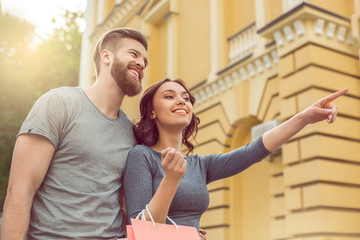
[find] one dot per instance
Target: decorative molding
(251, 69)
(267, 61)
(333, 31)
(215, 88)
(236, 77)
(228, 81)
(288, 33)
(209, 92)
(247, 71)
(330, 30)
(222, 85)
(299, 27)
(278, 38)
(321, 28)
(296, 28)
(259, 65)
(117, 18)
(243, 74)
(340, 36)
(275, 57)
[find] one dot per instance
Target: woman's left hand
(202, 234)
(318, 111)
(323, 108)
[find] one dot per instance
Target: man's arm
(30, 162)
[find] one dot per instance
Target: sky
(41, 12)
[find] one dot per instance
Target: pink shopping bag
(146, 230)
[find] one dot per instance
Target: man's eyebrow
(138, 53)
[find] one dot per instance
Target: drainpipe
(355, 25)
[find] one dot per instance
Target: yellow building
(252, 64)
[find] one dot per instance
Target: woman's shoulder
(142, 155)
(143, 150)
(138, 149)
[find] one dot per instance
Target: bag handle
(142, 215)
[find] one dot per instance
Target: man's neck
(106, 97)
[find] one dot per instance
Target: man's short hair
(110, 41)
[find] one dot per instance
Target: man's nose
(140, 63)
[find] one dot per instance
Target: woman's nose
(181, 101)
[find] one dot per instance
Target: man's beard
(128, 84)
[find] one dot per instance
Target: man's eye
(133, 54)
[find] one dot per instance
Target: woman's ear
(153, 115)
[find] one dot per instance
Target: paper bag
(146, 230)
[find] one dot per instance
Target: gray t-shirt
(143, 174)
(79, 197)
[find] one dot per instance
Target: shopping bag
(149, 230)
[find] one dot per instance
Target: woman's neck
(168, 139)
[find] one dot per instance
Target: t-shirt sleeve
(225, 165)
(137, 181)
(46, 117)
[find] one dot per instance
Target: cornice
(308, 23)
(297, 9)
(245, 69)
(118, 17)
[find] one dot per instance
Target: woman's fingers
(167, 156)
(331, 117)
(328, 99)
(173, 163)
(202, 231)
(202, 237)
(324, 109)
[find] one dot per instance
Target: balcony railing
(242, 43)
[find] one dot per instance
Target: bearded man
(70, 152)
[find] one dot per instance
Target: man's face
(128, 65)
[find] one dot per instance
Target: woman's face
(172, 106)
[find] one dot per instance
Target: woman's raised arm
(321, 110)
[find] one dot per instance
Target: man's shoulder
(65, 91)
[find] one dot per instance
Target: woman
(172, 183)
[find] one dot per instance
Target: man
(71, 150)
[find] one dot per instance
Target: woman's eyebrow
(173, 91)
(167, 90)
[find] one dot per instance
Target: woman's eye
(186, 99)
(169, 97)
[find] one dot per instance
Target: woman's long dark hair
(145, 129)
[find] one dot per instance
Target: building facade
(251, 65)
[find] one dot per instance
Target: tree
(14, 50)
(57, 60)
(27, 71)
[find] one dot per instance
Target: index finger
(335, 95)
(165, 152)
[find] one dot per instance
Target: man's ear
(106, 56)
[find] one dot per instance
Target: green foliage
(27, 71)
